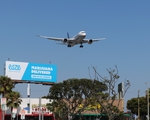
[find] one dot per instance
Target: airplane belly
(79, 40)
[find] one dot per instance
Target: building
(32, 112)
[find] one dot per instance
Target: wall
(34, 106)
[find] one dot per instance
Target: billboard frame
(44, 81)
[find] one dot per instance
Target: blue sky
(125, 24)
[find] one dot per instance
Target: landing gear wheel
(69, 45)
(81, 46)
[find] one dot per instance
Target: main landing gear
(69, 45)
(81, 46)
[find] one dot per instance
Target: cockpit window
(82, 31)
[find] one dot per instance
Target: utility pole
(147, 101)
(138, 106)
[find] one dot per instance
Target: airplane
(77, 39)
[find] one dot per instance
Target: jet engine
(90, 41)
(65, 40)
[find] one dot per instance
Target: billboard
(32, 72)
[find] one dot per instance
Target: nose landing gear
(69, 45)
(81, 46)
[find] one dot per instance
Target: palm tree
(13, 99)
(6, 85)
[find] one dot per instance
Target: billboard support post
(28, 95)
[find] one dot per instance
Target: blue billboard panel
(31, 71)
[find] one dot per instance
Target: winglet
(102, 38)
(41, 36)
(38, 35)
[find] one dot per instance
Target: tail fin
(68, 35)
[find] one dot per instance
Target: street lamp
(147, 100)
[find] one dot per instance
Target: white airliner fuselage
(77, 39)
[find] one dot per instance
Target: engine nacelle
(90, 41)
(65, 40)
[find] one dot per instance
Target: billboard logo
(14, 67)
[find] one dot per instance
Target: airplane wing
(68, 40)
(92, 40)
(51, 38)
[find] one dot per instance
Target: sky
(124, 24)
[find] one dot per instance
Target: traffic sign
(13, 115)
(3, 100)
(22, 117)
(22, 112)
(3, 107)
(14, 110)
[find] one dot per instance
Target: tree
(13, 99)
(107, 101)
(6, 85)
(132, 105)
(70, 94)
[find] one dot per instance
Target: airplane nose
(83, 34)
